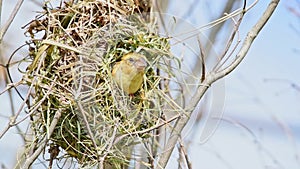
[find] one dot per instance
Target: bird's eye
(131, 60)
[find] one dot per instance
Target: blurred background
(260, 127)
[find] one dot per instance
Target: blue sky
(260, 97)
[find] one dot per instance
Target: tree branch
(10, 19)
(44, 142)
(252, 34)
(211, 78)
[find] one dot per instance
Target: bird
(129, 72)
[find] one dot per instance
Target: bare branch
(1, 2)
(44, 142)
(16, 115)
(10, 19)
(184, 153)
(211, 78)
(13, 119)
(249, 39)
(213, 34)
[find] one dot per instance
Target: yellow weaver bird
(129, 72)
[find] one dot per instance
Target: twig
(211, 78)
(108, 147)
(184, 154)
(51, 42)
(44, 142)
(147, 130)
(14, 118)
(216, 22)
(10, 86)
(83, 112)
(37, 106)
(86, 123)
(10, 19)
(8, 65)
(252, 34)
(222, 59)
(213, 33)
(202, 61)
(237, 24)
(1, 2)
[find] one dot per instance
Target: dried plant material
(81, 42)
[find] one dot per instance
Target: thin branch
(235, 32)
(39, 103)
(202, 61)
(86, 123)
(44, 142)
(181, 122)
(83, 113)
(213, 34)
(163, 123)
(230, 41)
(108, 147)
(214, 23)
(7, 66)
(6, 78)
(1, 2)
(211, 78)
(184, 153)
(14, 118)
(10, 86)
(10, 19)
(252, 34)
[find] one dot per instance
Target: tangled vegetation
(70, 70)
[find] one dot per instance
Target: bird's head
(136, 60)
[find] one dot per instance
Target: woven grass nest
(71, 68)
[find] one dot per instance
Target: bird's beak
(141, 64)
